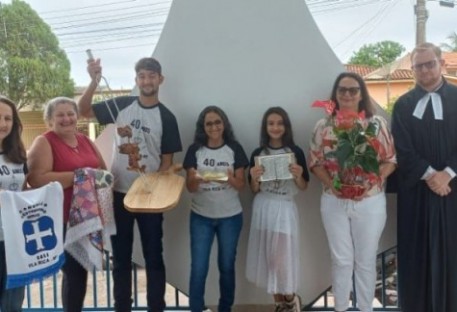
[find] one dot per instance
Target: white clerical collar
(436, 104)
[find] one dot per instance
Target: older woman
(353, 221)
(54, 156)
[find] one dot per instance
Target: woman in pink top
(54, 156)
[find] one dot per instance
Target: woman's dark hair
(201, 137)
(365, 103)
(287, 138)
(12, 145)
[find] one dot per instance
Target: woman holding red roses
(352, 153)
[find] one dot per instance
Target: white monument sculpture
(246, 56)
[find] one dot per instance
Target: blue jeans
(202, 232)
(150, 226)
(10, 299)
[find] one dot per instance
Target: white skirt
(273, 248)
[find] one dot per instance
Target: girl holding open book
(273, 248)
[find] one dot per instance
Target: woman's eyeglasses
(352, 90)
(216, 123)
(429, 65)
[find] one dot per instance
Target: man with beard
(424, 128)
(148, 129)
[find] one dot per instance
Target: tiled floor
(251, 308)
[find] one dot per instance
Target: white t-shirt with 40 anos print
(12, 178)
(216, 199)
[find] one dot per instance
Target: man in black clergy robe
(424, 127)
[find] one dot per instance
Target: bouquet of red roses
(354, 158)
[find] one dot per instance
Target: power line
(115, 48)
(101, 40)
(110, 19)
(67, 20)
(326, 7)
(104, 25)
(366, 28)
(120, 11)
(86, 7)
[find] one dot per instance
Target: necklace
(71, 142)
(74, 148)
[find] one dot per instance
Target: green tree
(377, 54)
(452, 45)
(390, 106)
(33, 68)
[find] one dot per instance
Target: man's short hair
(426, 46)
(148, 63)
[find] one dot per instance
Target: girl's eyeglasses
(216, 123)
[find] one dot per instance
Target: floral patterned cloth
(91, 218)
(322, 148)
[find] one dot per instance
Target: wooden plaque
(155, 192)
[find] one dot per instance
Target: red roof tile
(362, 70)
(399, 69)
(450, 59)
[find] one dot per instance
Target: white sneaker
(294, 305)
(297, 300)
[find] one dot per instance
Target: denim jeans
(150, 226)
(10, 299)
(202, 232)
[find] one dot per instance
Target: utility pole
(421, 19)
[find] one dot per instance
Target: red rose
(328, 105)
(351, 191)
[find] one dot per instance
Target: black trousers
(74, 283)
(150, 227)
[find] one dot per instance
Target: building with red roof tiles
(387, 83)
(362, 70)
(450, 59)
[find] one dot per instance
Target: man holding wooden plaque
(146, 139)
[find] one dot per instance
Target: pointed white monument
(246, 56)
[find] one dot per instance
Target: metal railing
(45, 295)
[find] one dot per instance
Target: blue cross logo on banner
(39, 235)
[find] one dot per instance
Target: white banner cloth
(33, 227)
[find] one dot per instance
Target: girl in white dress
(273, 249)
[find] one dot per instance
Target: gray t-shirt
(216, 199)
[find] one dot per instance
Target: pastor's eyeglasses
(429, 65)
(352, 90)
